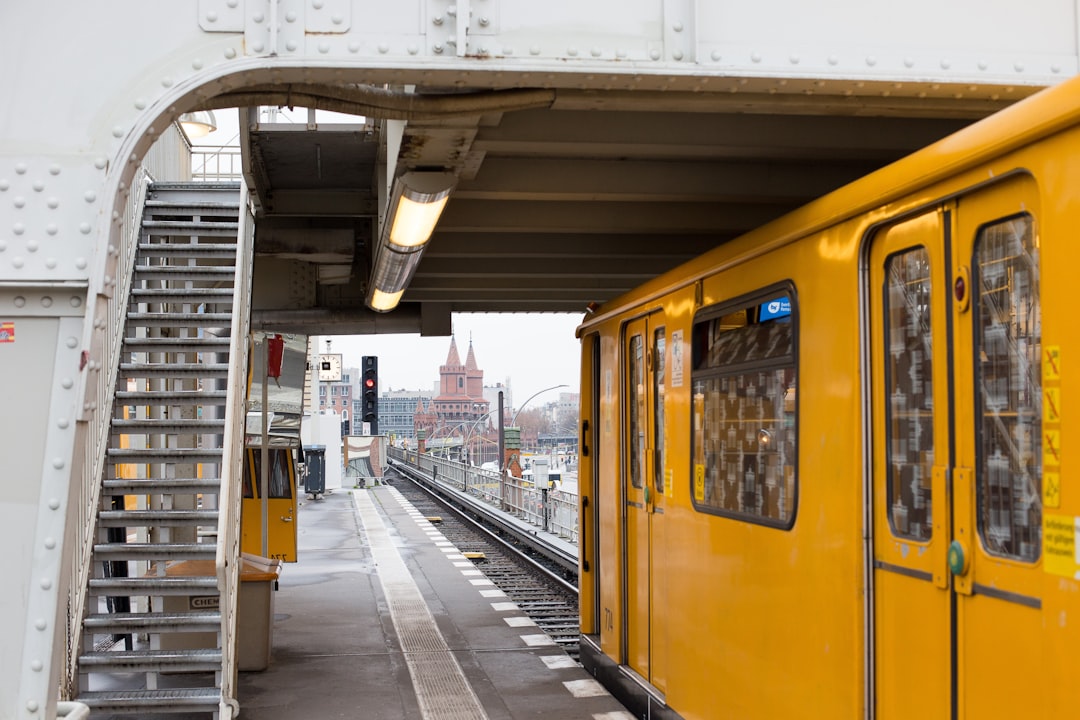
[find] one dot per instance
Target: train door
(639, 490)
(281, 505)
(958, 448)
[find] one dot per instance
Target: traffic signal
(369, 391)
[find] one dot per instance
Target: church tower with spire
(461, 389)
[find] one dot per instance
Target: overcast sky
(529, 351)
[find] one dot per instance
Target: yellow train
(825, 468)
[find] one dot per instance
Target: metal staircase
(152, 634)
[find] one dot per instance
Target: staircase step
(157, 427)
(182, 296)
(206, 343)
(193, 320)
(198, 621)
(154, 586)
(165, 518)
(217, 228)
(173, 369)
(200, 251)
(154, 551)
(185, 189)
(165, 455)
(171, 397)
(194, 660)
(183, 273)
(151, 702)
(156, 486)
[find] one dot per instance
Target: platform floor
(383, 619)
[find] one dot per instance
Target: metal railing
(106, 330)
(553, 511)
(227, 558)
(215, 164)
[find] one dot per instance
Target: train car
(825, 468)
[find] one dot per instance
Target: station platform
(383, 619)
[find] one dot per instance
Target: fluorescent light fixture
(198, 124)
(417, 201)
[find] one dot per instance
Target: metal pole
(264, 479)
(502, 455)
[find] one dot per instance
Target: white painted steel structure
(87, 88)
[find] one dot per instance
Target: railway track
(537, 585)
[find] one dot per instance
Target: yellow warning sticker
(1051, 404)
(1059, 545)
(1051, 363)
(699, 483)
(1051, 448)
(669, 482)
(1051, 490)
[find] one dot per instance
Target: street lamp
(468, 435)
(553, 387)
(445, 428)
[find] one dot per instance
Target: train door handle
(286, 519)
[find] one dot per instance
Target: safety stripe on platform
(442, 690)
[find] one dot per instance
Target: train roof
(1045, 113)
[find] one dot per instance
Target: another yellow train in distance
(825, 468)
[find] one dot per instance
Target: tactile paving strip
(442, 690)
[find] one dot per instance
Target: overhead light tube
(417, 201)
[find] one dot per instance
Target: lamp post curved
(553, 387)
(502, 461)
(445, 434)
(468, 435)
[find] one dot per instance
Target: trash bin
(254, 609)
(315, 463)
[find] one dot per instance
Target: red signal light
(369, 383)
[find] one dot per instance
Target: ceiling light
(415, 205)
(197, 124)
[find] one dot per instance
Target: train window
(278, 480)
(1008, 382)
(909, 383)
(637, 410)
(249, 490)
(659, 346)
(744, 409)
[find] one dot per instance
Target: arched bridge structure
(591, 147)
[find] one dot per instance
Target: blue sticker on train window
(778, 308)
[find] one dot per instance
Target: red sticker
(7, 332)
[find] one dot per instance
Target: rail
(553, 511)
(92, 430)
(216, 164)
(227, 559)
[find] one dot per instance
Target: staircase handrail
(107, 316)
(227, 558)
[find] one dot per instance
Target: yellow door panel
(959, 627)
(280, 506)
(912, 621)
(1000, 438)
(636, 493)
